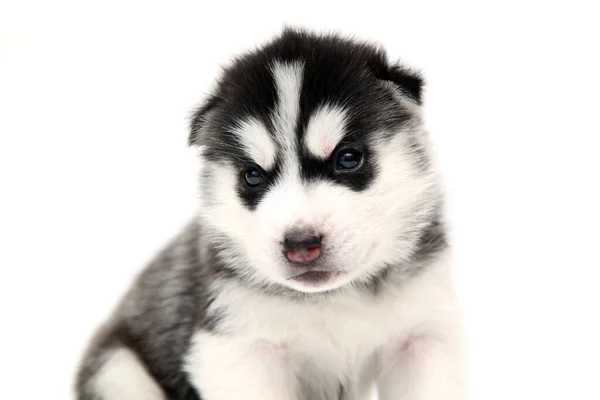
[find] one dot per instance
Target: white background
(95, 172)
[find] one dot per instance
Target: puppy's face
(314, 166)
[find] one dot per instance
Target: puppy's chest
(340, 333)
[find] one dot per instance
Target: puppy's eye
(349, 160)
(253, 177)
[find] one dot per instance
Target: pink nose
(302, 247)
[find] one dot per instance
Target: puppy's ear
(408, 81)
(200, 119)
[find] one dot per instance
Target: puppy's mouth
(316, 277)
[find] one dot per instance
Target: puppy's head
(315, 171)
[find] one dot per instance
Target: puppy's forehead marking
(326, 128)
(257, 142)
(288, 83)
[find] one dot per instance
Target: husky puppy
(318, 267)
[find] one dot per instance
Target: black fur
(169, 300)
(157, 318)
(337, 71)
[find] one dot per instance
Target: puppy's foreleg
(226, 368)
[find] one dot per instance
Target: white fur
(288, 82)
(405, 339)
(271, 342)
(391, 205)
(122, 376)
(257, 142)
(325, 130)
